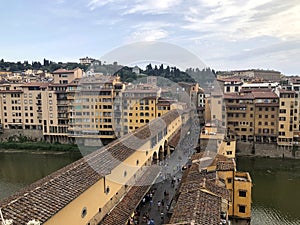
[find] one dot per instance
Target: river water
(21, 168)
(276, 189)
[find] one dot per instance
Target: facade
(288, 121)
(215, 108)
(230, 85)
(91, 109)
(86, 60)
(63, 76)
(253, 115)
(84, 110)
(268, 75)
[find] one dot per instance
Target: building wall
(240, 118)
(243, 185)
(227, 148)
(288, 118)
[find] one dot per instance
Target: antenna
(5, 222)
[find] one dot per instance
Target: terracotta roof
(198, 206)
(287, 91)
(64, 71)
(201, 194)
(195, 180)
(124, 209)
(238, 96)
(264, 94)
(49, 195)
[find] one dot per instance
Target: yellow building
(219, 156)
(288, 128)
(252, 115)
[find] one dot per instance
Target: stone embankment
(266, 150)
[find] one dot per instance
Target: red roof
(64, 71)
(264, 95)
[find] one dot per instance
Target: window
(83, 212)
(282, 103)
(229, 180)
(242, 208)
(242, 193)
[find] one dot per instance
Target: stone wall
(33, 134)
(266, 150)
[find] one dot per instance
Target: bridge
(105, 186)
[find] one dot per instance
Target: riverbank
(38, 146)
(265, 151)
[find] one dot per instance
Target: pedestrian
(152, 222)
(158, 205)
(151, 202)
(162, 216)
(144, 201)
(162, 203)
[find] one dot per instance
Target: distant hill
(171, 73)
(47, 65)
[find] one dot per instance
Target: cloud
(93, 4)
(147, 35)
(244, 20)
(152, 6)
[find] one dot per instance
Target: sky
(223, 34)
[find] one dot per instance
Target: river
(21, 168)
(276, 189)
